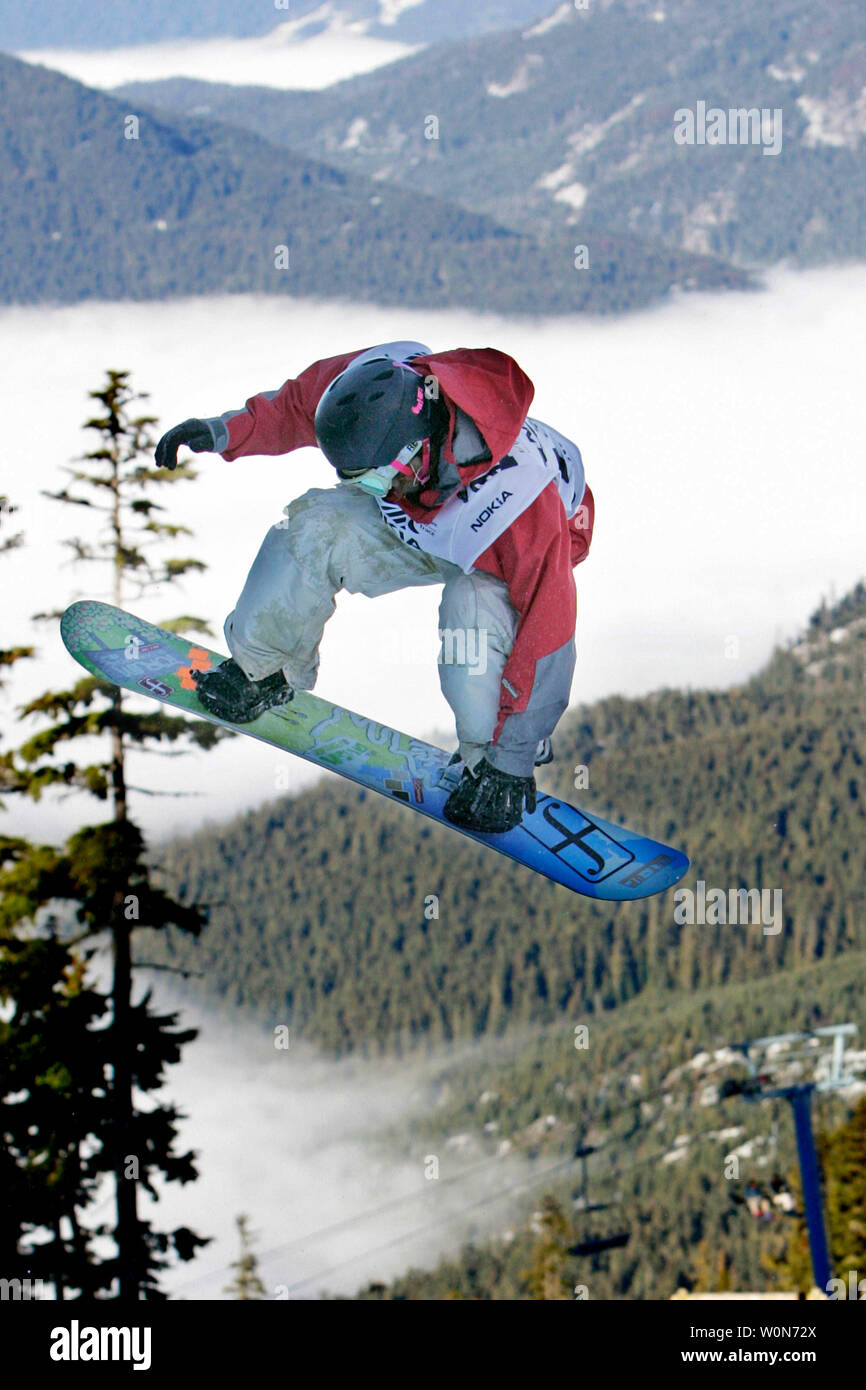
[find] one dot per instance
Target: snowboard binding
(228, 694)
(489, 801)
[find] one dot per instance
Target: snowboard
(578, 849)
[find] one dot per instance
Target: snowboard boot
(227, 693)
(489, 801)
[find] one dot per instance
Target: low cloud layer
(320, 1156)
(720, 437)
(284, 59)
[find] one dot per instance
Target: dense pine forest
(368, 930)
(571, 121)
(321, 918)
(98, 208)
(674, 1158)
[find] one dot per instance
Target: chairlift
(594, 1244)
(748, 1086)
(782, 1196)
(599, 1243)
(758, 1203)
(761, 1204)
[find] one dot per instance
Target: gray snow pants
(335, 538)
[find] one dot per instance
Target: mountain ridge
(77, 25)
(572, 123)
(195, 207)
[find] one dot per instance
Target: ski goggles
(379, 481)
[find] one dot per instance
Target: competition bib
(477, 515)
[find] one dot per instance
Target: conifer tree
(48, 1070)
(246, 1283)
(102, 876)
(52, 1101)
(546, 1278)
(9, 541)
(845, 1183)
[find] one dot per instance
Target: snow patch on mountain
(632, 160)
(391, 10)
(575, 195)
(556, 178)
(358, 128)
(678, 1150)
(704, 218)
(589, 136)
(792, 72)
(519, 82)
(561, 15)
(836, 121)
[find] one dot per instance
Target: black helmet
(369, 413)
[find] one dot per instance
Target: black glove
(489, 800)
(195, 434)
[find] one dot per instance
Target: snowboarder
(443, 480)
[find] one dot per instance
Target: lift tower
(833, 1076)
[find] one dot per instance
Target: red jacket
(534, 557)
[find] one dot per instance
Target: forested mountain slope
(320, 914)
(104, 200)
(674, 1158)
(570, 123)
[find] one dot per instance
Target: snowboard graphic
(589, 855)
